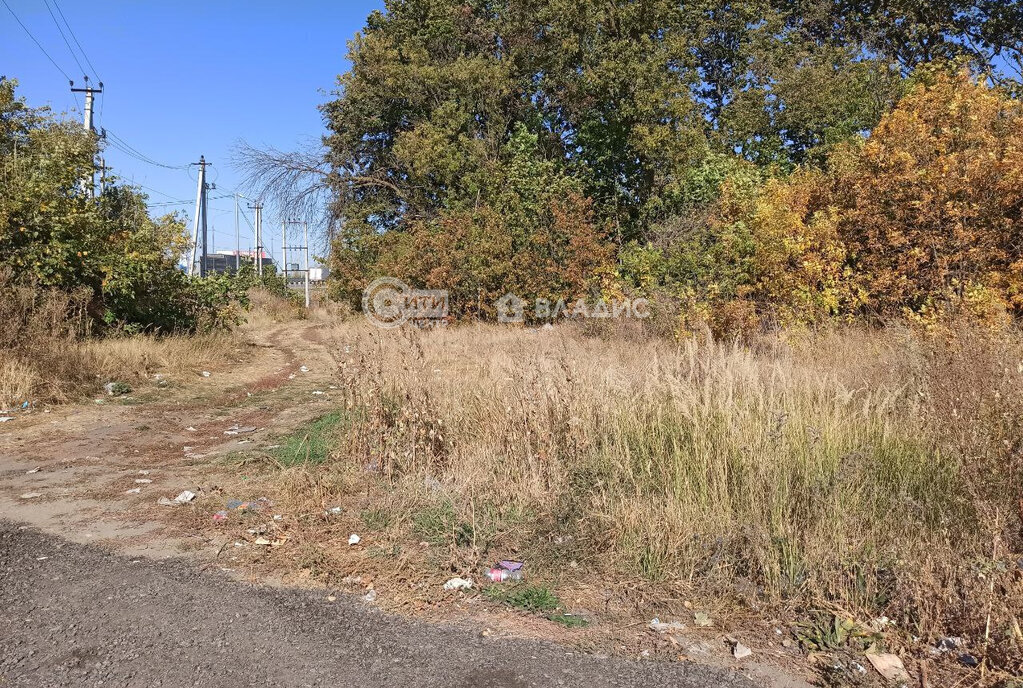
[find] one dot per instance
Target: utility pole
(304, 247)
(284, 250)
(89, 183)
(200, 216)
(305, 240)
(257, 212)
(237, 239)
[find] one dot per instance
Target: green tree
(53, 235)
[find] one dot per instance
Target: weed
(568, 620)
(826, 632)
(375, 519)
(530, 598)
(312, 443)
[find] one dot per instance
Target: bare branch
(295, 182)
(298, 182)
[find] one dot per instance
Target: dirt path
(84, 461)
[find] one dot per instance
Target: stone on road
(77, 615)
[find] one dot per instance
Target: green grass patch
(375, 519)
(530, 598)
(311, 443)
(535, 599)
(438, 524)
(568, 620)
(434, 523)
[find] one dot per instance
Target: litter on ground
(890, 666)
(255, 505)
(183, 498)
(740, 651)
(236, 430)
(458, 584)
(666, 627)
(505, 571)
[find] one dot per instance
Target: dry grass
(266, 309)
(47, 356)
(861, 472)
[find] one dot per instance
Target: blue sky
(184, 78)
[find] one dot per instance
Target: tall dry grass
(876, 472)
(47, 354)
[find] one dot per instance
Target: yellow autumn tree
(923, 219)
(930, 208)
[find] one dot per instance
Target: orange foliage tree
(922, 219)
(931, 207)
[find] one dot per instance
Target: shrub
(920, 220)
(533, 235)
(53, 235)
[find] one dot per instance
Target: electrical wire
(123, 146)
(126, 148)
(71, 31)
(40, 45)
(149, 188)
(184, 201)
(152, 204)
(66, 42)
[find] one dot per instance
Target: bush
(921, 220)
(54, 236)
(533, 234)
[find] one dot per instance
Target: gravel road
(77, 615)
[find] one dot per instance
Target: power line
(153, 190)
(40, 45)
(126, 148)
(184, 201)
(161, 203)
(66, 42)
(71, 31)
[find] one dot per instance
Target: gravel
(77, 615)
